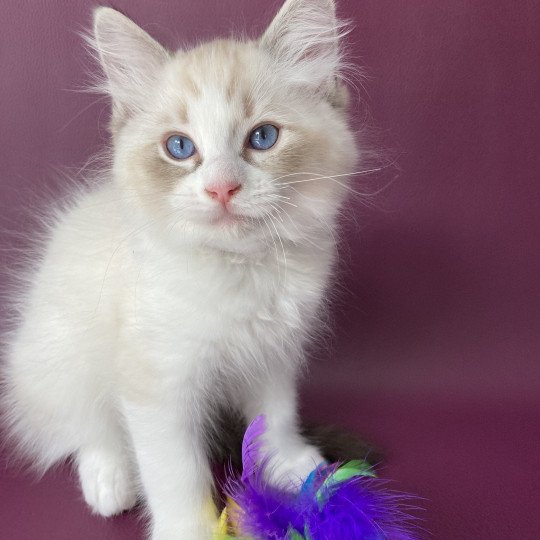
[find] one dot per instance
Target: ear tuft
(131, 59)
(304, 38)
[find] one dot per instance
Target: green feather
(348, 470)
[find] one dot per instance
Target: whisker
(277, 210)
(289, 203)
(301, 236)
(101, 98)
(331, 176)
(138, 230)
(281, 242)
(275, 245)
(278, 196)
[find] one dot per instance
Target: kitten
(192, 274)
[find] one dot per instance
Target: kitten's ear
(304, 38)
(130, 58)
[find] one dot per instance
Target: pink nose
(223, 192)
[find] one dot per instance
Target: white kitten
(192, 274)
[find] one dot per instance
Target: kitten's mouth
(227, 217)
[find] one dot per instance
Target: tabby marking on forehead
(190, 85)
(234, 75)
(248, 105)
(183, 112)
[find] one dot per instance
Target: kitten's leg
(175, 474)
(292, 458)
(105, 470)
(56, 388)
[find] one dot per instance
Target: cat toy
(336, 502)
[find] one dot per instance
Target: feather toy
(336, 502)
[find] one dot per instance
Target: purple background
(435, 356)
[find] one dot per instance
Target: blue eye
(263, 137)
(180, 147)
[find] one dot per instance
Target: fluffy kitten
(190, 277)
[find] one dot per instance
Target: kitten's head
(231, 144)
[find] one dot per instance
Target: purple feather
(251, 447)
(354, 508)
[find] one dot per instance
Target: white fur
(146, 312)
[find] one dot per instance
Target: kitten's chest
(221, 300)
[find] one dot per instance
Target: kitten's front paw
(294, 468)
(106, 483)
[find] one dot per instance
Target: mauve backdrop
(435, 355)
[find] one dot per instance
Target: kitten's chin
(228, 222)
(229, 232)
(227, 219)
